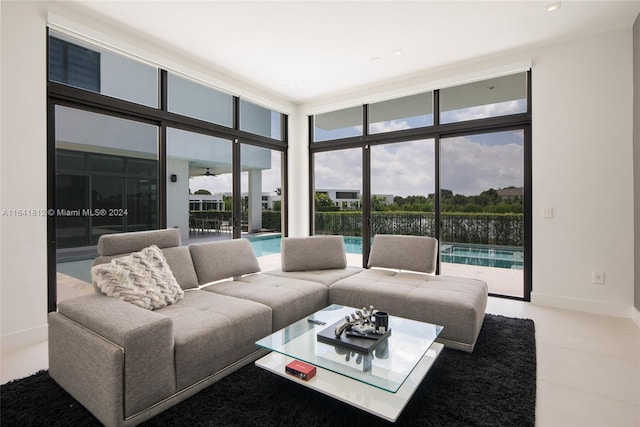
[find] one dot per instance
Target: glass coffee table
(380, 382)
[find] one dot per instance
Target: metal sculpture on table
(359, 324)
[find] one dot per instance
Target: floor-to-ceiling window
(106, 181)
(200, 186)
(453, 163)
(134, 147)
(403, 188)
(338, 192)
(482, 206)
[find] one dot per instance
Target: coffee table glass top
(387, 366)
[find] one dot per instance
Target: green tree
(324, 203)
(228, 203)
(378, 203)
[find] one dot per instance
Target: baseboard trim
(22, 339)
(589, 306)
(635, 315)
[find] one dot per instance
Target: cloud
(469, 166)
(340, 169)
(403, 169)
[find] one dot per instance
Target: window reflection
(338, 124)
(260, 120)
(106, 176)
(408, 112)
(487, 98)
(196, 100)
(76, 63)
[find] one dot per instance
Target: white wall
(636, 163)
(23, 160)
(582, 167)
(178, 197)
(298, 168)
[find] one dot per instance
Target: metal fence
(478, 228)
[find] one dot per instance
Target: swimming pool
(269, 245)
(481, 255)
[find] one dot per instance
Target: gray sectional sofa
(126, 364)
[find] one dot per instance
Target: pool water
(266, 245)
(486, 256)
(269, 245)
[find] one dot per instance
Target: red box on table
(299, 369)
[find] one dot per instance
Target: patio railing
(478, 228)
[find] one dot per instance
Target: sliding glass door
(453, 163)
(403, 188)
(338, 193)
(200, 185)
(482, 205)
(106, 181)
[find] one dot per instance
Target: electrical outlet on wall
(597, 277)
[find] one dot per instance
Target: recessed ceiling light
(298, 81)
(397, 52)
(552, 7)
(375, 58)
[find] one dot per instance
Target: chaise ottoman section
(458, 304)
(213, 331)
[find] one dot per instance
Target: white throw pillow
(142, 278)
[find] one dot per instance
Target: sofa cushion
(313, 253)
(326, 277)
(124, 243)
(180, 262)
(213, 331)
(289, 299)
(142, 278)
(415, 253)
(222, 260)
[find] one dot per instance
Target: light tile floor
(588, 371)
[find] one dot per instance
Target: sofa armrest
(146, 340)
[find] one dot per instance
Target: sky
(469, 165)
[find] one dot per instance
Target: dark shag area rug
(493, 386)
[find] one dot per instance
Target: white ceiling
(305, 50)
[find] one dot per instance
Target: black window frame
(83, 99)
(436, 131)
